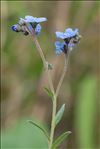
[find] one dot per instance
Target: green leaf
(59, 114)
(60, 139)
(49, 92)
(42, 129)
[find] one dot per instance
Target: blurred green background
(23, 76)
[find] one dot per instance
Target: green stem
(53, 122)
(63, 73)
(52, 89)
(45, 63)
(40, 51)
(55, 100)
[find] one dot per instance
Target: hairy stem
(63, 73)
(40, 52)
(52, 89)
(55, 100)
(45, 63)
(53, 121)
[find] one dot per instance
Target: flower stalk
(53, 121)
(52, 89)
(66, 60)
(55, 99)
(45, 63)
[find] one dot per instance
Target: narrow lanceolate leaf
(59, 114)
(42, 129)
(60, 139)
(49, 92)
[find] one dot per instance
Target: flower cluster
(70, 37)
(31, 25)
(28, 24)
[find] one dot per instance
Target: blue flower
(14, 28)
(38, 29)
(70, 37)
(70, 33)
(60, 35)
(67, 34)
(28, 25)
(18, 28)
(32, 19)
(59, 47)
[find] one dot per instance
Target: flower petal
(30, 19)
(59, 47)
(14, 28)
(70, 33)
(34, 19)
(58, 51)
(59, 44)
(60, 35)
(39, 20)
(38, 29)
